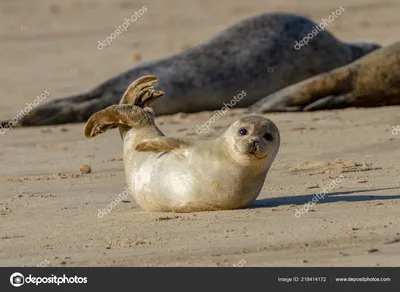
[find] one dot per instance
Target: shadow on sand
(329, 198)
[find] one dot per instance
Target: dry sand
(49, 211)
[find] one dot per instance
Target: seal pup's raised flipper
(132, 112)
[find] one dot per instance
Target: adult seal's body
(371, 81)
(259, 55)
(183, 175)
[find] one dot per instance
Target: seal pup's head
(252, 141)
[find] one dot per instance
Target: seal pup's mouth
(260, 157)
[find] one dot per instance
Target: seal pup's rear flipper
(162, 144)
(115, 116)
(133, 110)
(141, 92)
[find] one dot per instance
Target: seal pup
(186, 175)
(258, 55)
(373, 80)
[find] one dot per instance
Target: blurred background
(52, 45)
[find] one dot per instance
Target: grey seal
(373, 80)
(259, 54)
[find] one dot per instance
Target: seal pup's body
(257, 55)
(373, 80)
(190, 179)
(184, 175)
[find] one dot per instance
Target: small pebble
(85, 168)
(136, 58)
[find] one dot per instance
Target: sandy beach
(49, 211)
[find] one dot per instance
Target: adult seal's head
(360, 48)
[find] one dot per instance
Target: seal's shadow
(329, 198)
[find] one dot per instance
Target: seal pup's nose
(255, 144)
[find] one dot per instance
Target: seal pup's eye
(268, 137)
(243, 131)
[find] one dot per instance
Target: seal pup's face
(253, 140)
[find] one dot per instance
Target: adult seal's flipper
(298, 96)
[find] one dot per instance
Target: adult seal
(183, 175)
(373, 80)
(260, 55)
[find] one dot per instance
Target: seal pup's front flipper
(162, 144)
